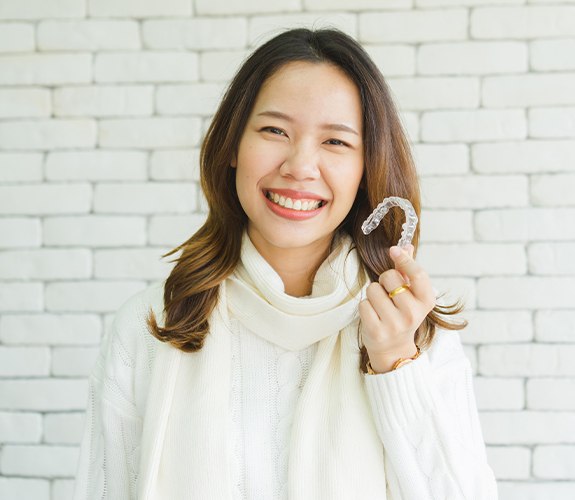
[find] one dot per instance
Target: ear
(234, 162)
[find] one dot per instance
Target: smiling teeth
(300, 205)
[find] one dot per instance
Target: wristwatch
(399, 363)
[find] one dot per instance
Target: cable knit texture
(270, 417)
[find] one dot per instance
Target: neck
(295, 266)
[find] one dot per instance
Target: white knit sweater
(266, 382)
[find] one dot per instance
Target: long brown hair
(212, 253)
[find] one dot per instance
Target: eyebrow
(328, 126)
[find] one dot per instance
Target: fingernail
(395, 251)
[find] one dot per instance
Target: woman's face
(300, 158)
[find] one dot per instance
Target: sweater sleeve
(108, 462)
(427, 419)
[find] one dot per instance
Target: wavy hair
(212, 253)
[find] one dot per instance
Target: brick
(552, 122)
(552, 55)
(21, 297)
(39, 460)
(73, 361)
(472, 58)
(533, 360)
(554, 326)
(47, 134)
(531, 224)
(196, 34)
(262, 28)
(473, 259)
(553, 190)
(454, 289)
(90, 296)
(95, 231)
(413, 26)
(96, 165)
(24, 103)
(38, 9)
(495, 327)
(20, 232)
(536, 490)
(24, 361)
(174, 230)
(554, 462)
(45, 69)
(480, 191)
(441, 159)
(495, 393)
(88, 35)
(220, 66)
(15, 488)
(63, 489)
(18, 427)
(146, 67)
(509, 462)
(393, 60)
(523, 157)
(357, 5)
(536, 90)
(527, 427)
(472, 126)
(246, 7)
(43, 394)
(104, 101)
(137, 264)
(45, 199)
(446, 226)
(50, 329)
(523, 22)
(432, 93)
(175, 165)
(139, 8)
(45, 264)
(551, 394)
(410, 123)
(195, 99)
(525, 292)
(150, 198)
(16, 37)
(150, 133)
(552, 259)
(445, 3)
(18, 167)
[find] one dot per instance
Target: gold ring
(398, 290)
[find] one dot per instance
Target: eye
(336, 142)
(273, 130)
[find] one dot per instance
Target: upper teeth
(284, 201)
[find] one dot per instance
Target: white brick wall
(103, 104)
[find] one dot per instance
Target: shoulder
(446, 348)
(129, 334)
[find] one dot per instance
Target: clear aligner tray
(380, 212)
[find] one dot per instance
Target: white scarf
(335, 451)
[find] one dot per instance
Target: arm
(426, 417)
(108, 462)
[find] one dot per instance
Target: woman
(281, 357)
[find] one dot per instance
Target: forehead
(310, 88)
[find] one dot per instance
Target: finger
(380, 302)
(392, 280)
(418, 278)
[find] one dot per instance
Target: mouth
(297, 204)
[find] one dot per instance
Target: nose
(301, 163)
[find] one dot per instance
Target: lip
(288, 213)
